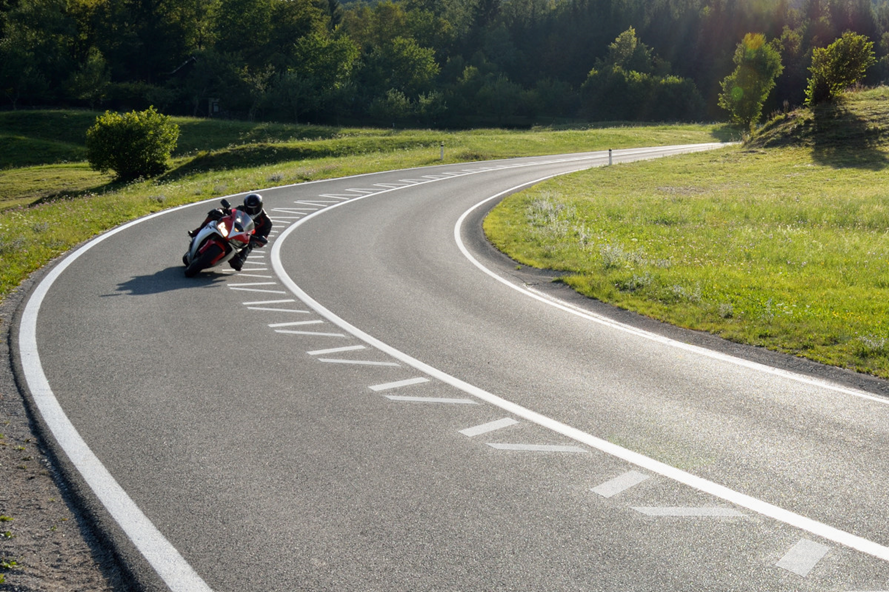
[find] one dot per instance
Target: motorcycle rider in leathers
(262, 226)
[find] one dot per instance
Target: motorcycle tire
(203, 261)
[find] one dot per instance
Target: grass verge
(775, 248)
(45, 209)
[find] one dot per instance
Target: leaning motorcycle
(218, 240)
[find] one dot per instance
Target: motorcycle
(221, 238)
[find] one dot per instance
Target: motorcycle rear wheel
(203, 261)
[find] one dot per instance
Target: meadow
(50, 200)
(781, 243)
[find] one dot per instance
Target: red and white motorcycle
(219, 240)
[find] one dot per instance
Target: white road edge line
(167, 562)
(163, 557)
(719, 491)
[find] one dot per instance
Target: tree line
(417, 62)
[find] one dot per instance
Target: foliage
(631, 83)
(329, 61)
(745, 90)
(133, 145)
(838, 66)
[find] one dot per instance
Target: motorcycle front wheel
(203, 261)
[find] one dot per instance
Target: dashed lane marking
(253, 275)
(335, 350)
(316, 334)
(691, 512)
(278, 309)
(438, 400)
(538, 447)
(258, 302)
(726, 494)
(401, 383)
(620, 484)
(291, 324)
(803, 557)
(357, 362)
(315, 322)
(253, 284)
(259, 290)
(489, 427)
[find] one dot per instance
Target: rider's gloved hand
(215, 215)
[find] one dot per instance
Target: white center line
(735, 497)
(489, 427)
(803, 557)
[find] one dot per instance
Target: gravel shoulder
(46, 544)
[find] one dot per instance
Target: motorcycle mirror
(225, 204)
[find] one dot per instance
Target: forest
(429, 63)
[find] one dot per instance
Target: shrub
(838, 66)
(133, 145)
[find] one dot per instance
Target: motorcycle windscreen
(239, 227)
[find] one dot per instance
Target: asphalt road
(381, 402)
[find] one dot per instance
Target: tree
(838, 66)
(321, 67)
(745, 90)
(91, 81)
(403, 65)
(35, 50)
(632, 84)
(133, 145)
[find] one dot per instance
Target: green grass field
(50, 200)
(782, 243)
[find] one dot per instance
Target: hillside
(850, 132)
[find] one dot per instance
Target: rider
(261, 224)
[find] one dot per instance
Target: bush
(133, 145)
(615, 94)
(838, 66)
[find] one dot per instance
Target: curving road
(381, 402)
